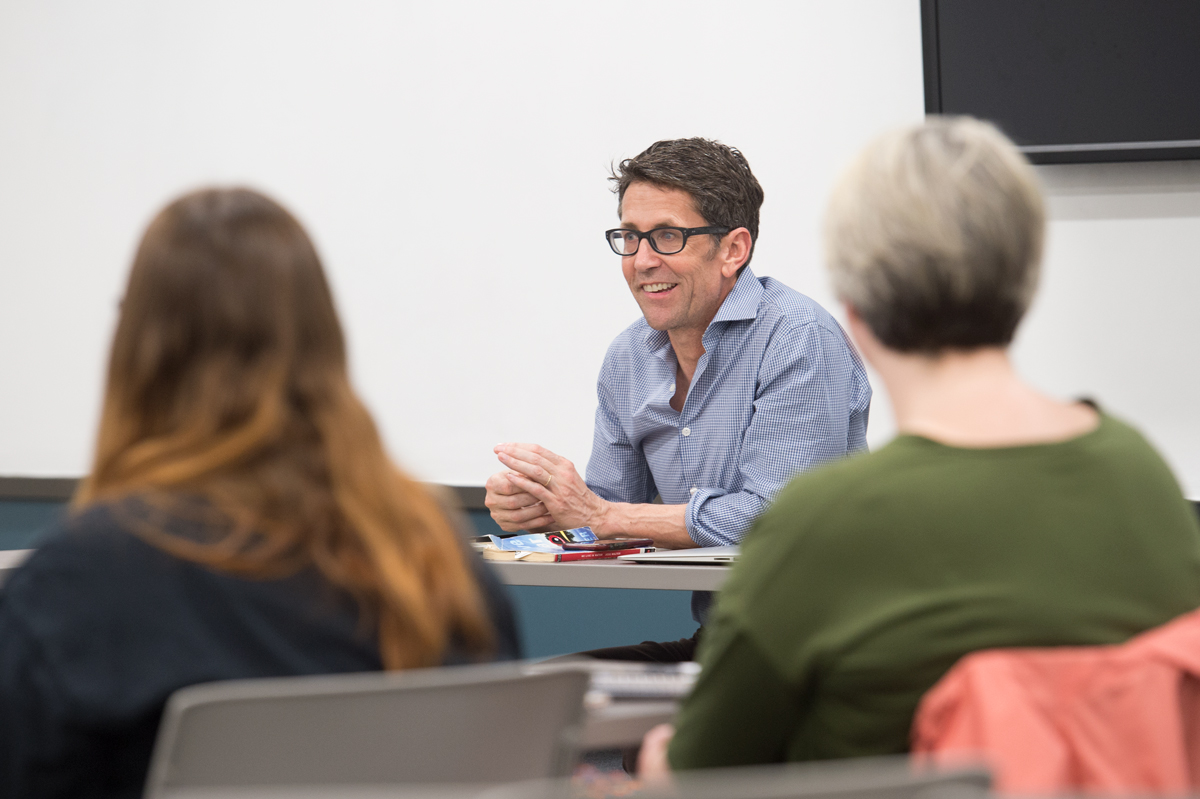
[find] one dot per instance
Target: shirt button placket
(685, 432)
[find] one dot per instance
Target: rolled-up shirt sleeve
(807, 381)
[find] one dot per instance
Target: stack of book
(492, 552)
(578, 543)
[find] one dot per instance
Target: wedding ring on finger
(549, 480)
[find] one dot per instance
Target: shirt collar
(741, 303)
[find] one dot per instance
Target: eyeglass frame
(686, 232)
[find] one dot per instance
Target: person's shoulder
(790, 313)
(1115, 431)
(782, 301)
(84, 535)
(1124, 448)
(628, 347)
(94, 544)
(630, 339)
(792, 328)
(837, 485)
(76, 564)
(815, 519)
(826, 501)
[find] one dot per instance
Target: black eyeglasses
(664, 240)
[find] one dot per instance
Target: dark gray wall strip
(61, 488)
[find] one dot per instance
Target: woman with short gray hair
(997, 517)
(934, 237)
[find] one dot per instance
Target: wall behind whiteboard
(450, 161)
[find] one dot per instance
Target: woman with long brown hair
(241, 518)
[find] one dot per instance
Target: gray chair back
(466, 724)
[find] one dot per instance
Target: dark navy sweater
(99, 627)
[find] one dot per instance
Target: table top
(623, 724)
(593, 574)
(613, 574)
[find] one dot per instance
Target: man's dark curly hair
(718, 178)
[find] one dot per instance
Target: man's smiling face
(680, 292)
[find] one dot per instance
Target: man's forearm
(666, 524)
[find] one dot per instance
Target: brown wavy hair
(227, 382)
(723, 189)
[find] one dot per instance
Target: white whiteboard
(411, 139)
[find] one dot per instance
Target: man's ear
(737, 250)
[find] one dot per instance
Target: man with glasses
(728, 385)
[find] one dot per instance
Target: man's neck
(688, 343)
(688, 346)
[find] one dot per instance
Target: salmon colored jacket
(1099, 720)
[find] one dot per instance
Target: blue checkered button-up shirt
(778, 390)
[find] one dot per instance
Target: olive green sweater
(869, 578)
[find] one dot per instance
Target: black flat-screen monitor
(1070, 80)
